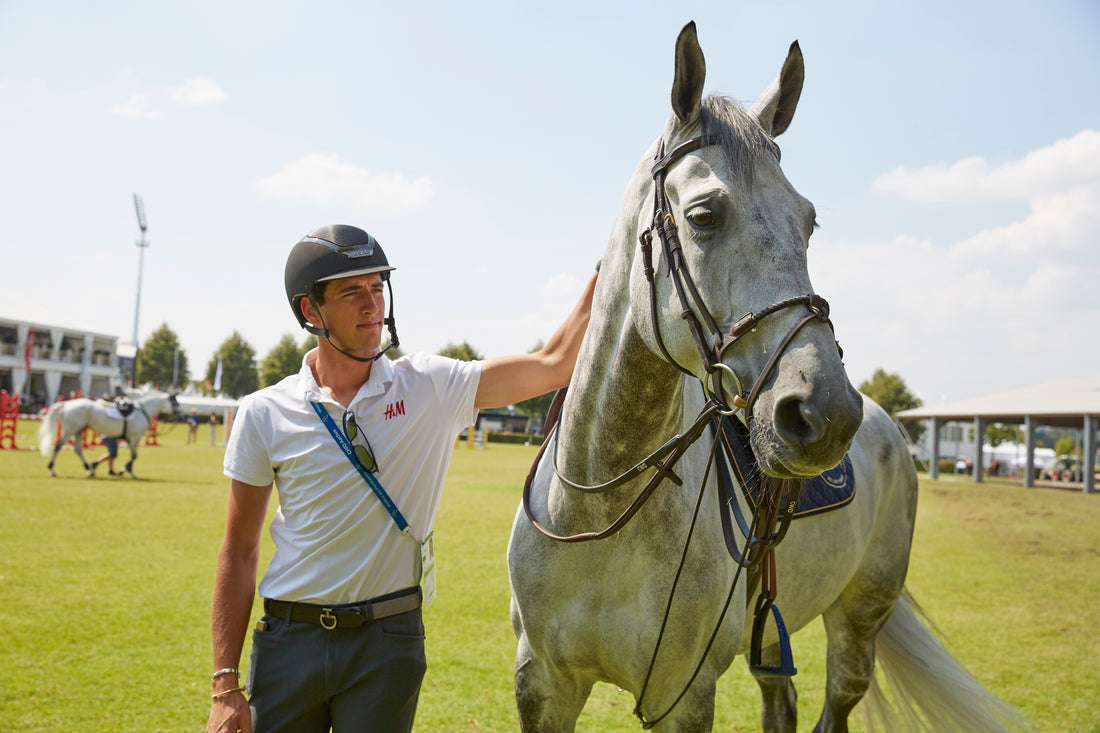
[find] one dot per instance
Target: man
(193, 426)
(358, 448)
(111, 444)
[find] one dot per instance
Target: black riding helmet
(330, 253)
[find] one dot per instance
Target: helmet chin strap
(322, 332)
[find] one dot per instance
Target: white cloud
(192, 93)
(198, 91)
(1056, 225)
(1065, 165)
(326, 179)
(983, 311)
(137, 106)
(562, 285)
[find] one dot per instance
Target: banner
(218, 377)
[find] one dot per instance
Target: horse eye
(702, 218)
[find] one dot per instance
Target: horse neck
(623, 401)
(617, 412)
(151, 404)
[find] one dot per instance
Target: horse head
(719, 286)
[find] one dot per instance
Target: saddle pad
(112, 411)
(825, 492)
(822, 493)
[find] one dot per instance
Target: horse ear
(691, 72)
(775, 108)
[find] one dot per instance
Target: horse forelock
(741, 137)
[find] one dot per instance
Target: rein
(664, 459)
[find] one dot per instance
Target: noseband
(710, 350)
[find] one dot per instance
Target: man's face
(353, 309)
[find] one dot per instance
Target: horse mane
(742, 138)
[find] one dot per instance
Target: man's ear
(309, 312)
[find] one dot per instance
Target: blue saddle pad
(830, 490)
(825, 492)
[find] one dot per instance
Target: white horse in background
(102, 416)
(644, 593)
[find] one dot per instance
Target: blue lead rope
(345, 446)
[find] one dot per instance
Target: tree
(462, 352)
(997, 433)
(238, 360)
(309, 343)
(156, 362)
(282, 361)
(1066, 446)
(890, 392)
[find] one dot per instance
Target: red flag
(27, 356)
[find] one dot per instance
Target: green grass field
(105, 591)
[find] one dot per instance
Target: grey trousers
(303, 678)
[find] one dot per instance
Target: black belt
(346, 615)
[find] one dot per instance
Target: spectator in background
(213, 427)
(193, 426)
(111, 444)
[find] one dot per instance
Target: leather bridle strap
(819, 310)
(680, 446)
(711, 353)
(665, 225)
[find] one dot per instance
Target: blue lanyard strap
(345, 446)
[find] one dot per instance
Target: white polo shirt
(334, 541)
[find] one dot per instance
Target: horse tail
(930, 688)
(47, 429)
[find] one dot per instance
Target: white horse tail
(47, 429)
(931, 690)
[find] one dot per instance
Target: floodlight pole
(141, 245)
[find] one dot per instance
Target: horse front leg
(780, 700)
(129, 468)
(548, 701)
(694, 713)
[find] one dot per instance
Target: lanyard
(345, 446)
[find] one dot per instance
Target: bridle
(768, 526)
(710, 350)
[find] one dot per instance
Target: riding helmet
(329, 253)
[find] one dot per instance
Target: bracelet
(227, 670)
(223, 693)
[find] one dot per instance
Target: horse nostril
(796, 422)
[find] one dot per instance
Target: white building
(61, 361)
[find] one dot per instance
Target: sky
(952, 151)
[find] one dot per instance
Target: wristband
(227, 670)
(230, 691)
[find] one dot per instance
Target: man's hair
(317, 292)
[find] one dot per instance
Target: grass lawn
(105, 592)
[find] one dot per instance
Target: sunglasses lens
(365, 457)
(362, 453)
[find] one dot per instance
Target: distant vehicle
(1062, 468)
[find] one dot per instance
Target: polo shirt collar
(381, 377)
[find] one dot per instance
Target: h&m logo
(394, 409)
